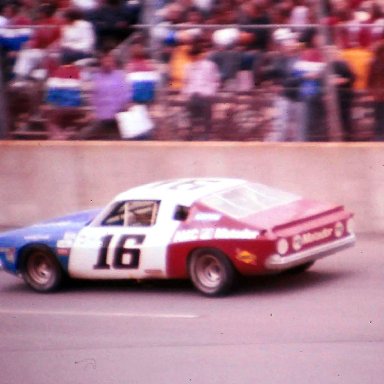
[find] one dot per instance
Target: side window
(133, 213)
(116, 217)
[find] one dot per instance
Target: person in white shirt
(300, 14)
(5, 15)
(201, 83)
(78, 37)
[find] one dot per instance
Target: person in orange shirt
(179, 60)
(358, 58)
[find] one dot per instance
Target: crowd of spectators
(250, 38)
(202, 47)
(75, 29)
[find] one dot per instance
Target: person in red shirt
(20, 16)
(46, 34)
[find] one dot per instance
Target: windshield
(248, 199)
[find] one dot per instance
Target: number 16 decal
(119, 252)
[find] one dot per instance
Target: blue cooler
(143, 85)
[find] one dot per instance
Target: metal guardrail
(245, 116)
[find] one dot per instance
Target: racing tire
(301, 268)
(41, 270)
(211, 272)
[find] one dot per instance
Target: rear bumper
(281, 263)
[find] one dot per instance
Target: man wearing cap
(289, 121)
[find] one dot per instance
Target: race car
(209, 230)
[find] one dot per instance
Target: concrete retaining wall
(45, 179)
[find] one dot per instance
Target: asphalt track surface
(323, 326)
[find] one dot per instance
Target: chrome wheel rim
(40, 268)
(209, 271)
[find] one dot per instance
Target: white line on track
(27, 312)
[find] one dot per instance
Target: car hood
(51, 229)
(81, 218)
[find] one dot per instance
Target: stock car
(208, 230)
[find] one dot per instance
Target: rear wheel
(41, 271)
(211, 272)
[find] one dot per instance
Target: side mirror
(181, 213)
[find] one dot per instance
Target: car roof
(182, 191)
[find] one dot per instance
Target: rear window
(248, 199)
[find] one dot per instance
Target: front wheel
(211, 272)
(41, 271)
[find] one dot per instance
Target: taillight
(350, 226)
(339, 229)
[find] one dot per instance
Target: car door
(129, 242)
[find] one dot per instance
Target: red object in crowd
(355, 3)
(20, 20)
(70, 72)
(363, 35)
(46, 33)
